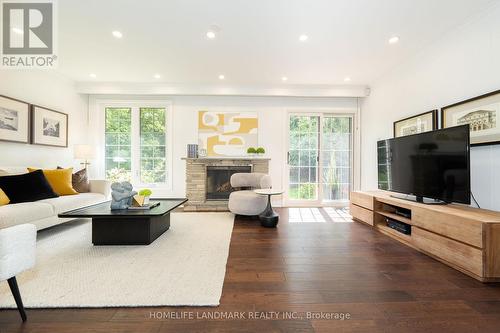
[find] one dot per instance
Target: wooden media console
(465, 238)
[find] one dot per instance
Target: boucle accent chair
(17, 254)
(246, 201)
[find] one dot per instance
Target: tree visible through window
(336, 157)
(303, 157)
(118, 144)
(136, 144)
(153, 161)
(319, 157)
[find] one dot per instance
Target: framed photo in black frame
(14, 120)
(48, 127)
(419, 123)
(481, 113)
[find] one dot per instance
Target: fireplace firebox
(218, 186)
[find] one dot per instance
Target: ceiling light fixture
(393, 40)
(303, 38)
(117, 34)
(347, 79)
(157, 76)
(211, 34)
(221, 77)
(284, 78)
(92, 75)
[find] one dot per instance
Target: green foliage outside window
(118, 136)
(118, 144)
(118, 175)
(335, 152)
(153, 157)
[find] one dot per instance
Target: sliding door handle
(288, 158)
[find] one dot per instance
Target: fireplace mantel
(196, 179)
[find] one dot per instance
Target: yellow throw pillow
(59, 180)
(4, 199)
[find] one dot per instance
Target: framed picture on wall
(481, 113)
(14, 120)
(49, 127)
(420, 123)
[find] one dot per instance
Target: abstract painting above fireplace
(227, 133)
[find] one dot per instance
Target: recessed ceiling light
(221, 77)
(303, 38)
(117, 34)
(157, 76)
(393, 40)
(210, 34)
(347, 79)
(284, 78)
(92, 75)
(18, 31)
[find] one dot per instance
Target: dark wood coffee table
(127, 227)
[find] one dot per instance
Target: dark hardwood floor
(324, 268)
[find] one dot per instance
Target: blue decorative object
(121, 194)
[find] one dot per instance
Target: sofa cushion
(4, 199)
(70, 202)
(60, 180)
(80, 180)
(25, 212)
(26, 187)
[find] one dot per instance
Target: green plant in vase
(143, 196)
(251, 151)
(260, 150)
(145, 192)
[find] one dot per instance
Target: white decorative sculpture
(121, 194)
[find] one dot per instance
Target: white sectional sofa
(43, 213)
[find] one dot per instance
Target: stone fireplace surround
(196, 179)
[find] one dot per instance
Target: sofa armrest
(17, 250)
(101, 186)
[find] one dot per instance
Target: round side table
(268, 218)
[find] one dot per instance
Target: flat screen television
(433, 165)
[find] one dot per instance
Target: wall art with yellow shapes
(227, 133)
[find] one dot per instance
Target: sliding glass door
(304, 133)
(319, 158)
(336, 157)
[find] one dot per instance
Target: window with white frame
(137, 143)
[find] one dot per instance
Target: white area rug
(184, 266)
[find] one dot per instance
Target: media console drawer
(461, 228)
(361, 214)
(362, 199)
(456, 253)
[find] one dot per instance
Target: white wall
(460, 65)
(272, 113)
(48, 89)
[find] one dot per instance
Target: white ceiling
(258, 39)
